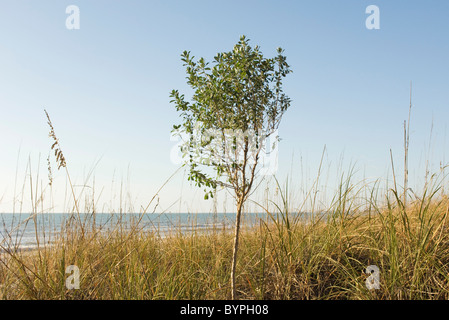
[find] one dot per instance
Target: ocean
(25, 231)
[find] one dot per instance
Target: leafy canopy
(237, 103)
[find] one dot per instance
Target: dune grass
(292, 253)
(288, 255)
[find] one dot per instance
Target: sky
(106, 87)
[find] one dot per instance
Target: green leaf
(240, 91)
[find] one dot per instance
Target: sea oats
(60, 159)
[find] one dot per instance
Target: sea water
(26, 231)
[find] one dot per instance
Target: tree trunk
(236, 246)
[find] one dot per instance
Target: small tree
(237, 104)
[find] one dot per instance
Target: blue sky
(106, 87)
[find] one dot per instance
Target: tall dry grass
(290, 254)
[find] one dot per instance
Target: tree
(238, 102)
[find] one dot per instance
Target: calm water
(24, 230)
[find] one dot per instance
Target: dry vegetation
(288, 255)
(285, 257)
